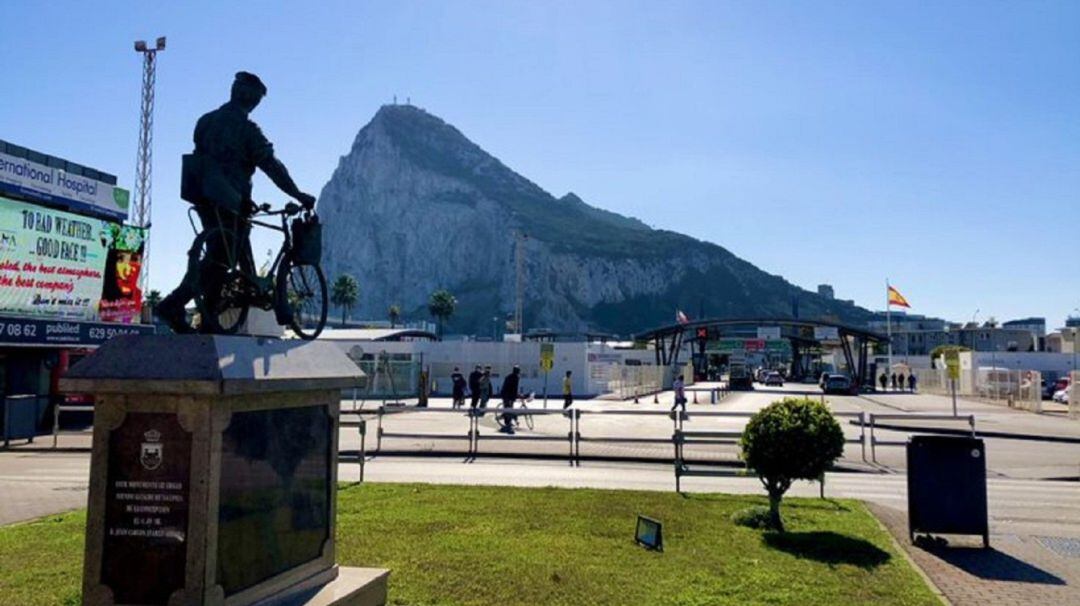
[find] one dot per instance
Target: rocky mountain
(416, 206)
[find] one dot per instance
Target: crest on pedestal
(152, 453)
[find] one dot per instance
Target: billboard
(26, 178)
(60, 265)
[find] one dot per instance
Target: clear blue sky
(936, 144)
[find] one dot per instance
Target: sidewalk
(991, 419)
(1017, 569)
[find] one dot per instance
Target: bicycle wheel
(528, 418)
(225, 311)
(301, 289)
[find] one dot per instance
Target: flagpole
(888, 325)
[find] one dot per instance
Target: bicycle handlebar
(290, 209)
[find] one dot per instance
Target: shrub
(753, 517)
(793, 439)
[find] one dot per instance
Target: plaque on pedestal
(213, 475)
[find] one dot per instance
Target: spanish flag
(895, 298)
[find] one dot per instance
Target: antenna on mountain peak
(395, 99)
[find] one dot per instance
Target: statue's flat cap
(250, 79)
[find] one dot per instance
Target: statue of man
(217, 179)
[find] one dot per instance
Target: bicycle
(524, 400)
(293, 286)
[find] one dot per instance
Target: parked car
(774, 378)
(1049, 388)
(1062, 395)
(838, 384)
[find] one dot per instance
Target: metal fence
(1016, 388)
(1074, 396)
(635, 382)
(387, 380)
(632, 382)
(868, 425)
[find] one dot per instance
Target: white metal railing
(62, 408)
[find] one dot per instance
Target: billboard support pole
(144, 162)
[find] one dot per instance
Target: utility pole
(144, 163)
(519, 263)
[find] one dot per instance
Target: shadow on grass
(993, 565)
(828, 547)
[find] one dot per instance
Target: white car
(1062, 395)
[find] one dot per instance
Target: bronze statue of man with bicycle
(221, 275)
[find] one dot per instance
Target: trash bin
(946, 479)
(20, 417)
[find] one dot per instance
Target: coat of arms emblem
(153, 451)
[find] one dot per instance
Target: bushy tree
(946, 350)
(344, 293)
(793, 439)
(442, 305)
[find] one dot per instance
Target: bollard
(873, 445)
(363, 447)
(656, 397)
(56, 424)
(862, 433)
(695, 396)
(712, 396)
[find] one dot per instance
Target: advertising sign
(826, 333)
(65, 266)
(728, 346)
(22, 177)
(31, 331)
(952, 362)
(768, 332)
(547, 356)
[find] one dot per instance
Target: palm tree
(442, 305)
(344, 293)
(395, 314)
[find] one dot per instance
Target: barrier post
(569, 415)
(378, 434)
(363, 447)
(56, 425)
(695, 396)
(971, 422)
(873, 440)
(862, 433)
(712, 395)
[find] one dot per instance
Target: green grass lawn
(500, 546)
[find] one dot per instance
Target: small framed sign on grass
(649, 533)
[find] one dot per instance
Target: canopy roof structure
(855, 342)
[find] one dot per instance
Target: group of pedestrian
(897, 382)
(480, 388)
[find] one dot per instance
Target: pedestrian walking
(457, 380)
(893, 381)
(884, 380)
(567, 391)
(680, 393)
(911, 381)
(509, 393)
(900, 380)
(474, 385)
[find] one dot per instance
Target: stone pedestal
(213, 479)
